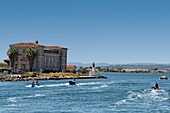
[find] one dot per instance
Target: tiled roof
(27, 43)
(35, 44)
(53, 47)
(71, 66)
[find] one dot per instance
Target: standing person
(32, 83)
(156, 85)
(37, 82)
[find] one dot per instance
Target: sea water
(120, 93)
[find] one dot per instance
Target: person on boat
(37, 82)
(156, 85)
(32, 84)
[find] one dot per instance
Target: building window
(23, 66)
(51, 51)
(24, 50)
(23, 58)
(15, 66)
(16, 59)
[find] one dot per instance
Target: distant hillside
(125, 66)
(142, 66)
(78, 64)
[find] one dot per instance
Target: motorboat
(32, 85)
(155, 88)
(72, 83)
(35, 85)
(163, 77)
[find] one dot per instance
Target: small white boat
(163, 77)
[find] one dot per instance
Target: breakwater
(14, 78)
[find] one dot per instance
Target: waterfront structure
(71, 68)
(92, 72)
(48, 58)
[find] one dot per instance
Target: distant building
(71, 68)
(92, 72)
(49, 58)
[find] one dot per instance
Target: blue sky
(101, 31)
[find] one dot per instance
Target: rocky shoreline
(10, 78)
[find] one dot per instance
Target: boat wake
(145, 99)
(95, 83)
(49, 85)
(36, 95)
(12, 99)
(101, 84)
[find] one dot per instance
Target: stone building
(49, 58)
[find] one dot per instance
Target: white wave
(159, 95)
(49, 85)
(134, 95)
(101, 86)
(95, 83)
(39, 95)
(54, 85)
(166, 108)
(105, 85)
(12, 105)
(36, 95)
(121, 102)
(147, 96)
(28, 86)
(7, 109)
(12, 99)
(89, 83)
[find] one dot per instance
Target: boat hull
(155, 88)
(72, 83)
(163, 77)
(34, 85)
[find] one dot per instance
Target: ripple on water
(36, 95)
(145, 99)
(123, 93)
(12, 99)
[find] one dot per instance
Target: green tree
(31, 54)
(12, 54)
(119, 68)
(99, 68)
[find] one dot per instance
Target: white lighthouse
(92, 72)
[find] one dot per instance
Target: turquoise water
(120, 93)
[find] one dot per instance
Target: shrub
(32, 74)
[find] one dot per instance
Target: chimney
(36, 42)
